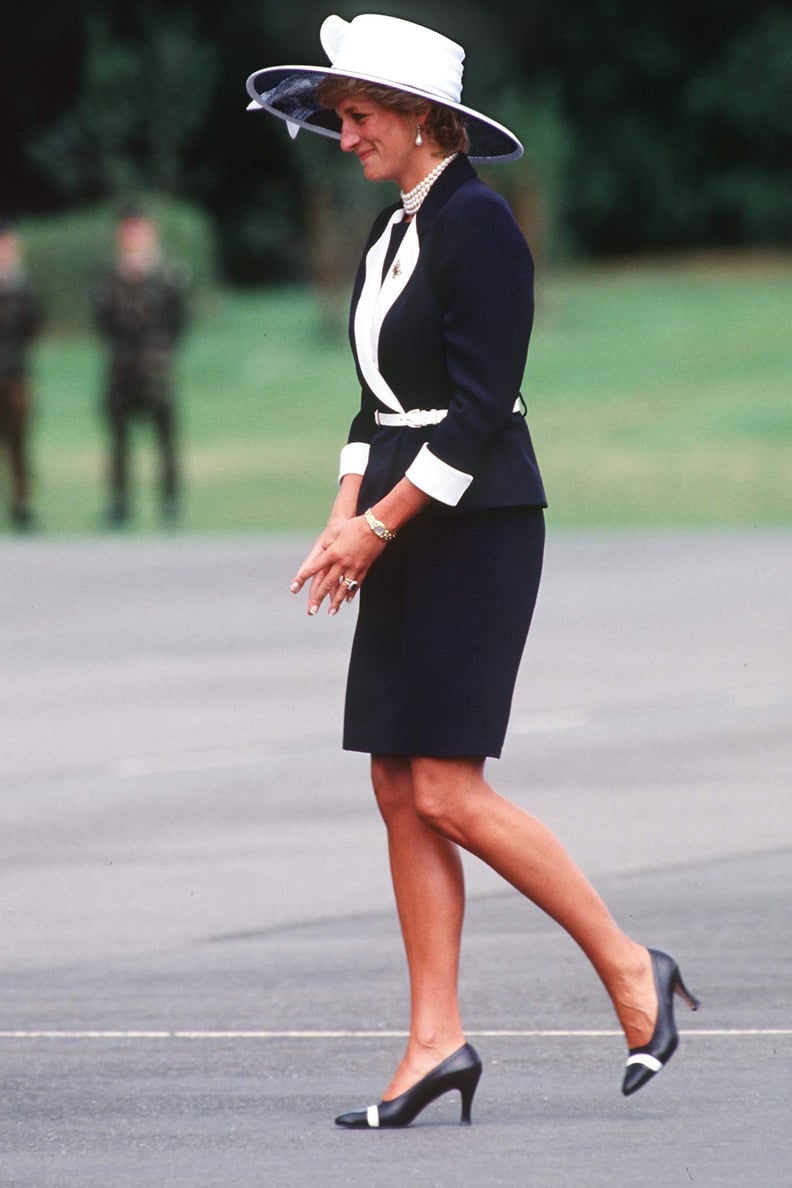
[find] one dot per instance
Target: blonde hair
(441, 124)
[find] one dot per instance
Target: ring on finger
(350, 583)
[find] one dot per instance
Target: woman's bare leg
(452, 797)
(428, 882)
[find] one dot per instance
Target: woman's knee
(391, 779)
(443, 789)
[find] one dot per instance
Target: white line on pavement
(723, 1032)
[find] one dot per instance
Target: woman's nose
(349, 137)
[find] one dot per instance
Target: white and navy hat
(384, 50)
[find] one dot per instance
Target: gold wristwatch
(377, 526)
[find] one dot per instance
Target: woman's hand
(338, 563)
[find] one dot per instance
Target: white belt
(416, 418)
(419, 418)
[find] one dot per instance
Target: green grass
(657, 394)
(664, 396)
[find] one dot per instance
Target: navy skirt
(442, 623)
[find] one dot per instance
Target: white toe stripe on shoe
(650, 1062)
(372, 1117)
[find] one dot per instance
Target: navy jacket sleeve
(484, 273)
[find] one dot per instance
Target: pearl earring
(418, 137)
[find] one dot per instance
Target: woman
(438, 522)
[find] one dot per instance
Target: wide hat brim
(289, 92)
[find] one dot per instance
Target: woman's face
(384, 140)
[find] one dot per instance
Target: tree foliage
(651, 126)
(136, 115)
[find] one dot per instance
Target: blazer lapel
(376, 298)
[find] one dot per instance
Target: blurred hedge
(65, 252)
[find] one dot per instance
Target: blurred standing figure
(20, 321)
(140, 309)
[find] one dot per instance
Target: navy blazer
(455, 337)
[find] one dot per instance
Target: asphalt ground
(199, 959)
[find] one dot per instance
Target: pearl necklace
(413, 198)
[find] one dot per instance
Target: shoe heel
(467, 1089)
(681, 989)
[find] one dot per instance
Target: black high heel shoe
(645, 1062)
(459, 1071)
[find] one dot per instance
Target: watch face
(377, 527)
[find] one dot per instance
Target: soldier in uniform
(20, 321)
(140, 309)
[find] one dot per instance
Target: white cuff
(354, 459)
(437, 479)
